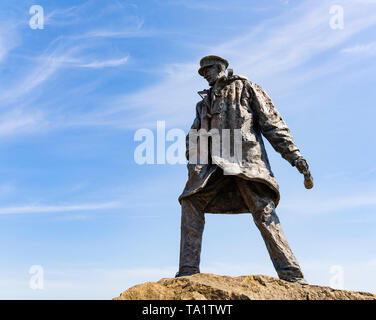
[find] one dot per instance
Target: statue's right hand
(302, 165)
(308, 180)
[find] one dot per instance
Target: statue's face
(212, 73)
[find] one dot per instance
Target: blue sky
(72, 95)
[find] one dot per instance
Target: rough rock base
(204, 286)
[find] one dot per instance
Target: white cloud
(318, 202)
(364, 49)
(290, 41)
(47, 65)
(228, 7)
(81, 282)
(271, 52)
(195, 5)
(131, 32)
(18, 122)
(358, 275)
(116, 34)
(9, 38)
(106, 63)
(69, 15)
(266, 53)
(88, 282)
(372, 263)
(62, 16)
(58, 208)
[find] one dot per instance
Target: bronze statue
(234, 102)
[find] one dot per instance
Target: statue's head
(212, 68)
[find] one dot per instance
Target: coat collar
(205, 95)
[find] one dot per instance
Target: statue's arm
(272, 126)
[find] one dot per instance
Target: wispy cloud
(58, 208)
(266, 53)
(9, 38)
(130, 32)
(116, 34)
(47, 65)
(195, 5)
(19, 121)
(363, 49)
(61, 16)
(105, 63)
(84, 281)
(290, 41)
(78, 15)
(319, 203)
(273, 52)
(214, 6)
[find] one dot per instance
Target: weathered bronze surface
(245, 186)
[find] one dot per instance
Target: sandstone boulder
(205, 286)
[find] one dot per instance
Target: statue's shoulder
(236, 77)
(253, 86)
(239, 77)
(259, 91)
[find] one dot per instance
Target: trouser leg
(193, 221)
(266, 220)
(192, 227)
(279, 250)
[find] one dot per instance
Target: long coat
(237, 103)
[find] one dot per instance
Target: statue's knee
(265, 214)
(185, 204)
(192, 216)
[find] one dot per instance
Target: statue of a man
(234, 102)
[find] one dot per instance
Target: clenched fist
(302, 165)
(303, 168)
